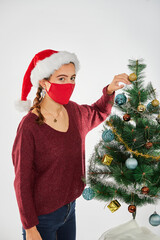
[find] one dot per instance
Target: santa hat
(42, 66)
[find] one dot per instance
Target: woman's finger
(122, 79)
(123, 74)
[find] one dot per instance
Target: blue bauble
(154, 219)
(120, 99)
(151, 108)
(107, 135)
(131, 163)
(88, 193)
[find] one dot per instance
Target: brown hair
(36, 104)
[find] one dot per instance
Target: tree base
(129, 231)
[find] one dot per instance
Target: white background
(104, 34)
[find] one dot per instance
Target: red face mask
(61, 93)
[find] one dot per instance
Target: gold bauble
(114, 205)
(141, 108)
(132, 77)
(107, 159)
(155, 103)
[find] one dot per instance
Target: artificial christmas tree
(125, 165)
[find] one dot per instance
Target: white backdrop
(104, 34)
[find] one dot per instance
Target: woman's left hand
(113, 86)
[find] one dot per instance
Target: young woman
(49, 148)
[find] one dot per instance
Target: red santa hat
(42, 66)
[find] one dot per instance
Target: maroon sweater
(49, 164)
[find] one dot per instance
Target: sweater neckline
(53, 129)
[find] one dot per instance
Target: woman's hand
(113, 86)
(33, 234)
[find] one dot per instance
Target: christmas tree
(125, 165)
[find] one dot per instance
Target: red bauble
(126, 117)
(145, 190)
(131, 208)
(148, 145)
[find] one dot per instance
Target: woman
(49, 148)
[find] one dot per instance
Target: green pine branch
(116, 181)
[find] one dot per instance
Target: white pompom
(22, 106)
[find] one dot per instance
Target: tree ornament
(155, 103)
(151, 108)
(107, 135)
(88, 193)
(114, 205)
(131, 208)
(126, 117)
(158, 118)
(132, 77)
(120, 99)
(131, 163)
(154, 219)
(145, 190)
(148, 144)
(141, 108)
(107, 159)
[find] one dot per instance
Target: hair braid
(36, 104)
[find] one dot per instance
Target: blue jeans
(57, 225)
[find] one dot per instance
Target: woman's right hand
(33, 234)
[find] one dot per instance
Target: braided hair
(36, 104)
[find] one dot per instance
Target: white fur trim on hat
(22, 106)
(46, 67)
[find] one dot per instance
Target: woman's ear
(42, 83)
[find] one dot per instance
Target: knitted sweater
(49, 164)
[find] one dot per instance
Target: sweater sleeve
(96, 113)
(22, 157)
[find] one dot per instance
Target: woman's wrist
(31, 229)
(109, 91)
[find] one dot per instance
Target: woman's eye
(61, 79)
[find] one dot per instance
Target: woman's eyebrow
(65, 75)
